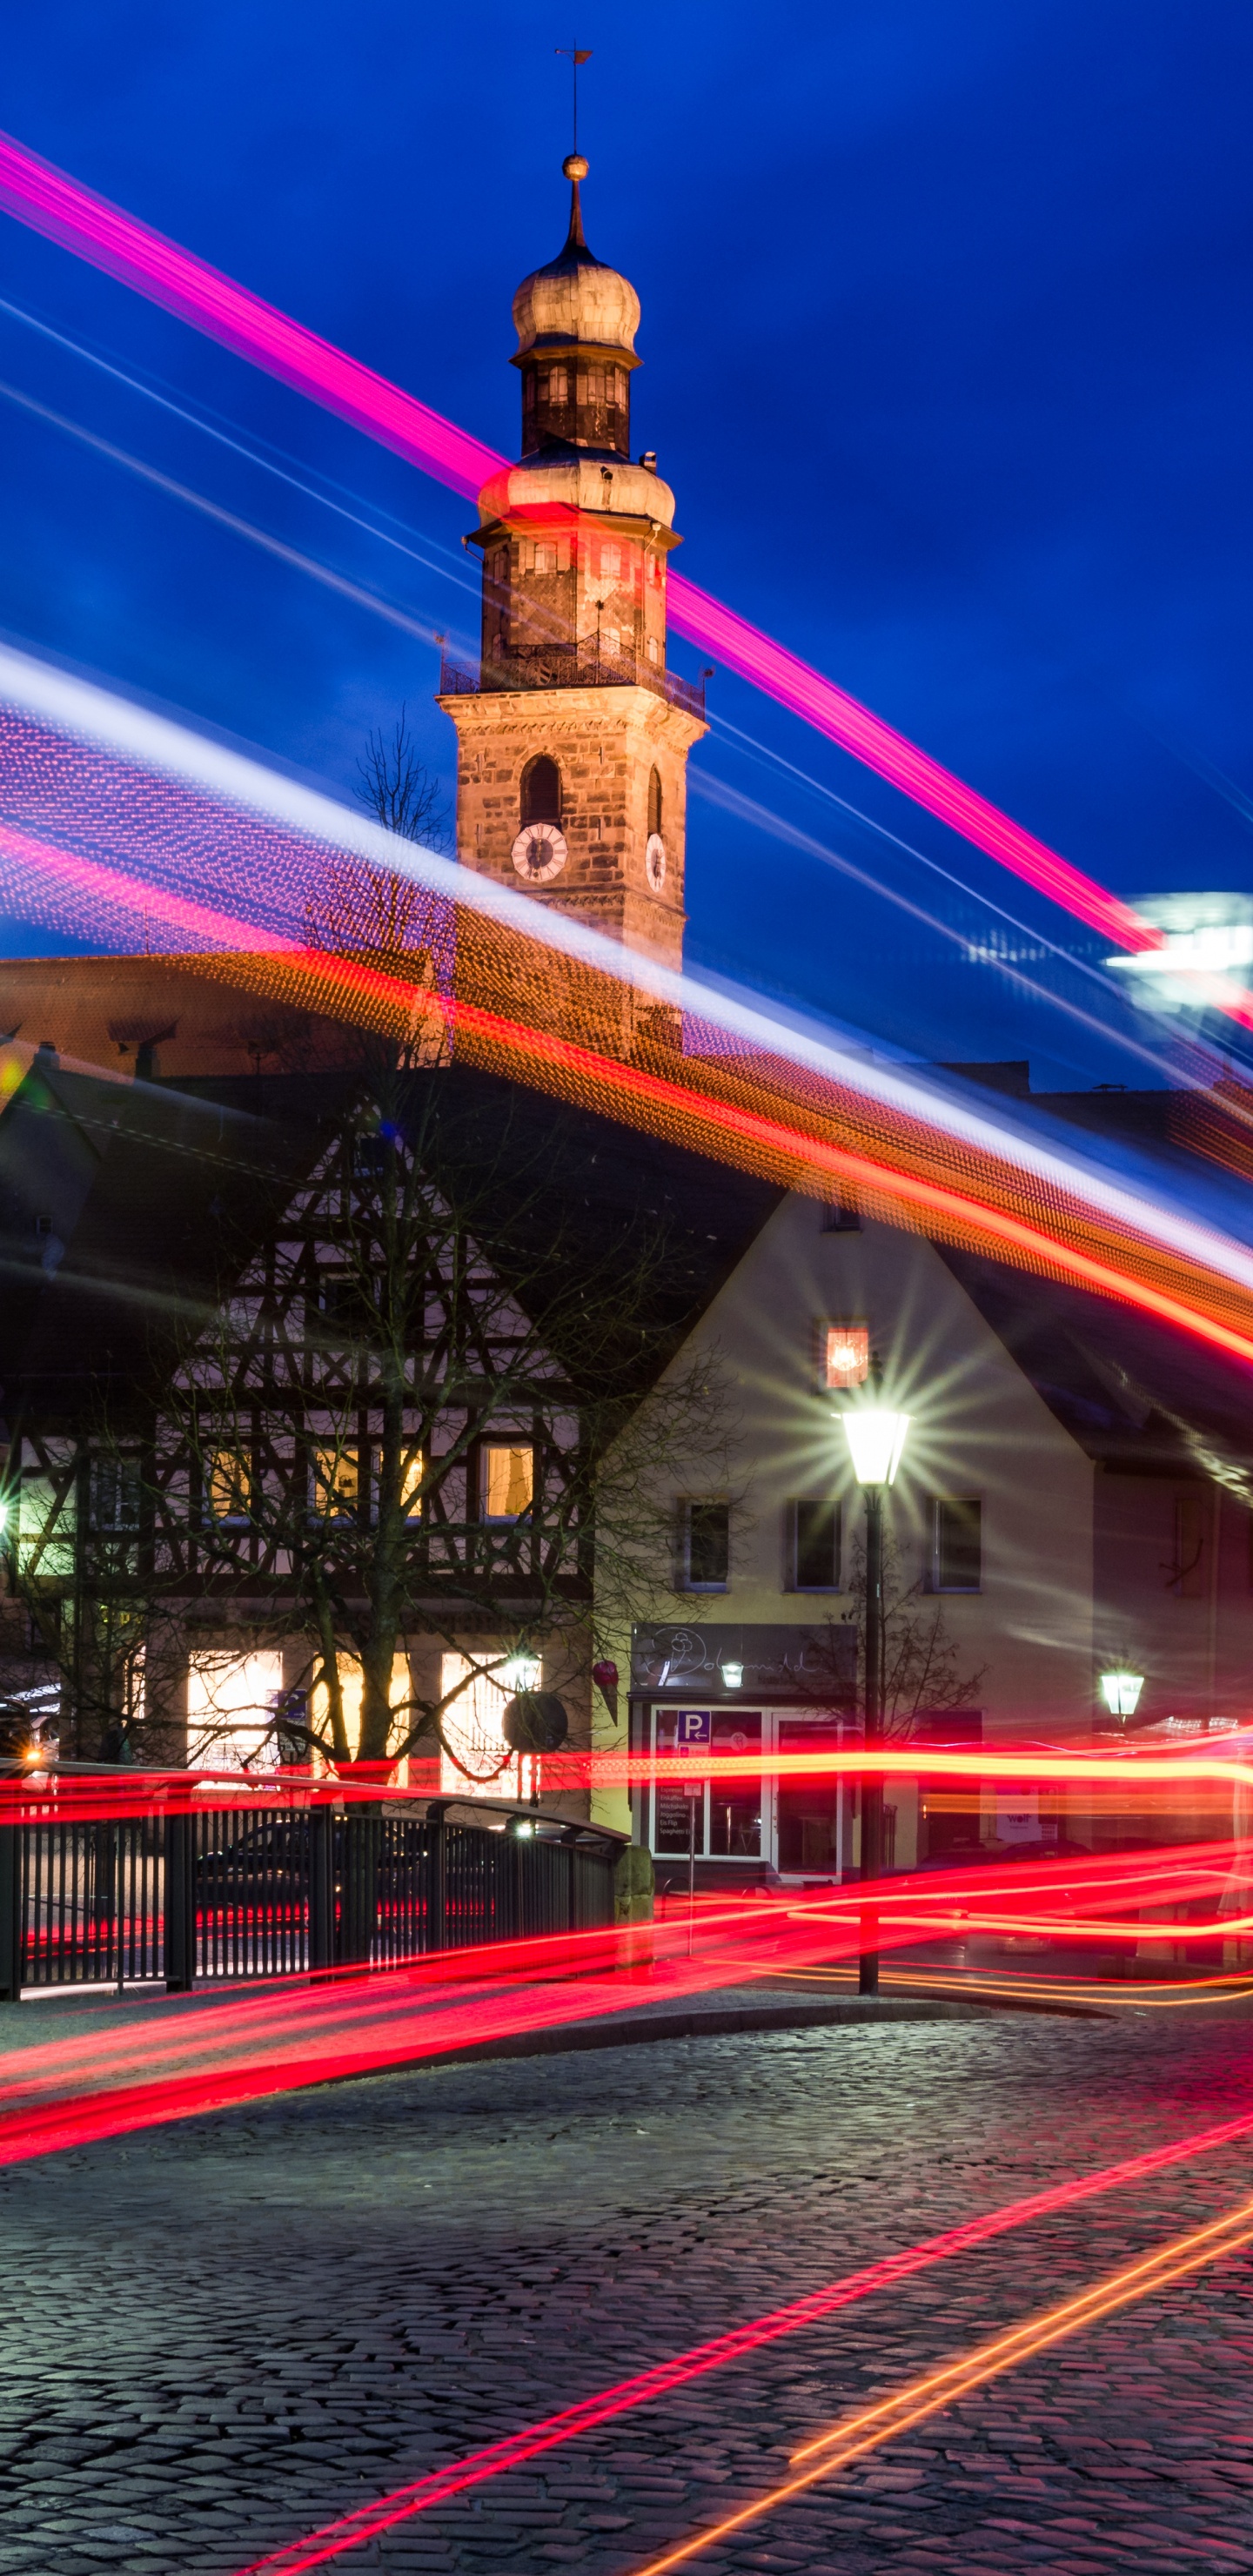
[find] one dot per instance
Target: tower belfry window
(541, 791)
(654, 801)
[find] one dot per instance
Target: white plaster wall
(979, 1428)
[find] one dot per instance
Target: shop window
(957, 1560)
(231, 1701)
(815, 1546)
(705, 1546)
(728, 1813)
(475, 1761)
(508, 1482)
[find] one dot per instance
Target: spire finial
(574, 167)
(576, 56)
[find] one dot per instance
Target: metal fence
(228, 1893)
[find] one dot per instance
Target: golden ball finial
(574, 166)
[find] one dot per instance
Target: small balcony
(554, 668)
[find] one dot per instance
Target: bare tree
(400, 790)
(919, 1660)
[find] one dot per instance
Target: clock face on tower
(539, 853)
(655, 862)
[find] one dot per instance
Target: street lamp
(1121, 1692)
(876, 1445)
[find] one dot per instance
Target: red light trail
(765, 1118)
(37, 194)
(327, 2029)
(647, 2386)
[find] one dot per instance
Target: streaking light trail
(124, 820)
(194, 2061)
(938, 2389)
(643, 2390)
(49, 201)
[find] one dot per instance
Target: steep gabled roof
(1136, 1395)
(123, 1207)
(127, 1206)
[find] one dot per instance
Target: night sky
(947, 356)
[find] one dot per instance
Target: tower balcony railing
(555, 668)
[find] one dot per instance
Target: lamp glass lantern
(732, 1676)
(876, 1442)
(1120, 1691)
(521, 1673)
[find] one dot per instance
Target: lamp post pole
(872, 1786)
(876, 1443)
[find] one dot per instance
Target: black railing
(231, 1892)
(557, 670)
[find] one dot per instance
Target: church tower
(572, 735)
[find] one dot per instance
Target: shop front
(758, 1690)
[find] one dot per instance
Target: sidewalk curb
(731, 2020)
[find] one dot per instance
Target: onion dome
(576, 322)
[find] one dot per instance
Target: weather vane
(575, 58)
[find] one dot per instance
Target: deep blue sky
(947, 355)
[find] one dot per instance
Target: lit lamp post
(876, 1444)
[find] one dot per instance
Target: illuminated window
(815, 1546)
(611, 561)
(508, 1483)
(554, 386)
(335, 1477)
(230, 1702)
(845, 1352)
(958, 1544)
(350, 1687)
(610, 643)
(411, 1475)
(475, 1761)
(226, 1486)
(706, 1547)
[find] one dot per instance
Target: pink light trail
(533, 2439)
(37, 194)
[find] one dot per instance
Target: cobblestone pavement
(218, 2335)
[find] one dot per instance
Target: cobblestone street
(221, 2334)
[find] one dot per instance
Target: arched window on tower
(541, 791)
(654, 802)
